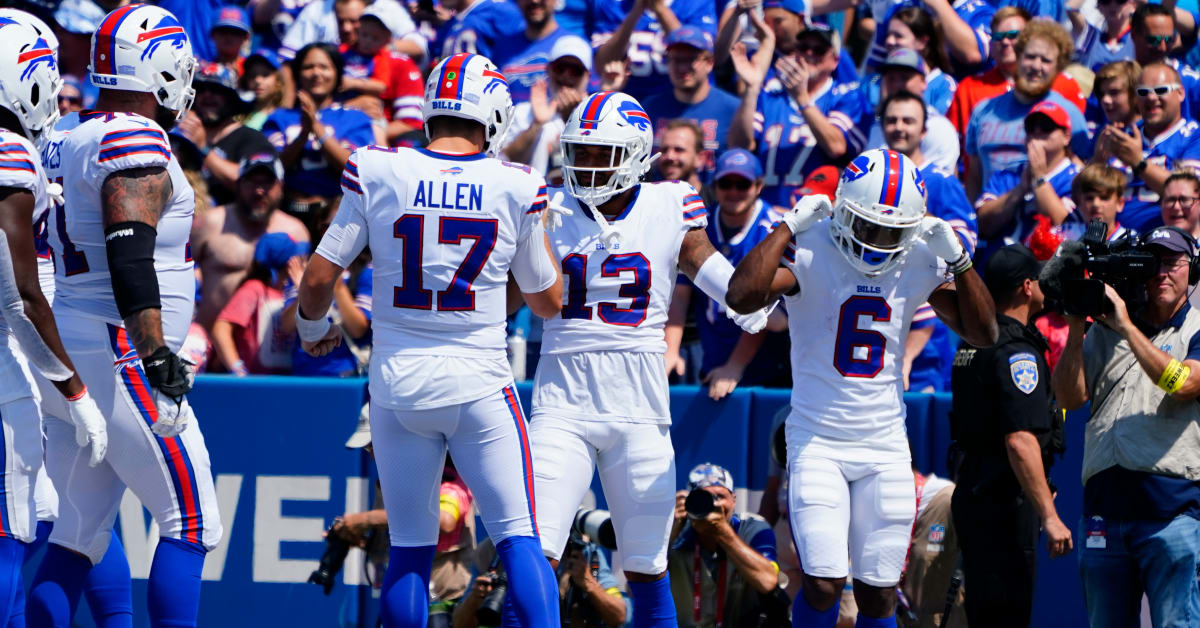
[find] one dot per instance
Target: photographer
(713, 550)
(1141, 458)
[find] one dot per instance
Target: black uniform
(998, 391)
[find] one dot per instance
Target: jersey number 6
(852, 339)
(458, 296)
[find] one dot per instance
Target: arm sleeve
(531, 266)
(347, 235)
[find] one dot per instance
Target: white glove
(90, 426)
(941, 239)
(174, 413)
(753, 322)
(807, 211)
(556, 211)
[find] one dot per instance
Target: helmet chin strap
(609, 234)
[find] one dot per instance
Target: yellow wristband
(1173, 377)
(449, 504)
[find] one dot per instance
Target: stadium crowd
(1028, 119)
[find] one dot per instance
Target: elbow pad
(130, 250)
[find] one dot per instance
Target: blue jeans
(1158, 558)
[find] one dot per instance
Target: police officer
(1005, 424)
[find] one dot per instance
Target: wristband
(77, 397)
(962, 264)
(1140, 168)
(1173, 377)
(311, 331)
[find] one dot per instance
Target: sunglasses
(1159, 90)
(1158, 40)
(817, 49)
(729, 183)
(1105, 2)
(71, 100)
(1003, 35)
(1041, 126)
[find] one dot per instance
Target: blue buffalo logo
(921, 184)
(857, 168)
(39, 54)
(634, 115)
(168, 30)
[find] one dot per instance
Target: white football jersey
(444, 231)
(847, 333)
(102, 144)
(52, 162)
(617, 299)
(20, 168)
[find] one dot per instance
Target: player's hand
(171, 379)
(944, 243)
(724, 379)
(1058, 537)
(327, 343)
(556, 211)
(675, 364)
(807, 211)
(90, 426)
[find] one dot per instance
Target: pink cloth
(251, 311)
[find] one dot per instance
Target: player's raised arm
(758, 280)
(964, 305)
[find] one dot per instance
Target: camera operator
(713, 550)
(1004, 424)
(1141, 458)
(590, 594)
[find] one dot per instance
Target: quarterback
(851, 284)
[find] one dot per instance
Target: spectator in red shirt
(391, 79)
(1006, 25)
(246, 335)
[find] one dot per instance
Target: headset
(1193, 252)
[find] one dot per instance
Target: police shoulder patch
(1024, 371)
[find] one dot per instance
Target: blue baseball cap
(275, 249)
(799, 7)
(905, 58)
(267, 55)
(738, 161)
(232, 17)
(261, 161)
(690, 36)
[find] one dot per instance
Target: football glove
(556, 211)
(90, 426)
(170, 377)
(807, 211)
(941, 239)
(753, 322)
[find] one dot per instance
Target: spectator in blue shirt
(693, 97)
(634, 30)
(913, 28)
(1155, 31)
(1114, 96)
(1100, 46)
(478, 26)
(315, 138)
(522, 58)
(727, 553)
(738, 222)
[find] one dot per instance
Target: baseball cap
(266, 161)
(708, 474)
(823, 180)
(905, 58)
(795, 6)
(824, 32)
(738, 161)
(267, 55)
(221, 76)
(385, 12)
(1009, 267)
(232, 17)
(571, 46)
(1051, 110)
(690, 36)
(362, 432)
(1170, 239)
(273, 250)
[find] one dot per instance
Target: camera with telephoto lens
(332, 560)
(596, 525)
(492, 607)
(575, 604)
(1121, 263)
(699, 503)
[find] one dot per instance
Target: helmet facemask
(590, 184)
(873, 242)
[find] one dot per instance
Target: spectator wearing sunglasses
(996, 131)
(1155, 32)
(70, 98)
(1149, 151)
(1041, 187)
(1006, 27)
(740, 221)
(689, 60)
(813, 121)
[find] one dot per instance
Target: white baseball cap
(572, 46)
(362, 432)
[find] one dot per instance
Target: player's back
(617, 299)
(102, 144)
(847, 333)
(443, 231)
(21, 168)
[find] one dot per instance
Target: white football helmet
(32, 21)
(143, 48)
(616, 121)
(29, 87)
(877, 212)
(470, 86)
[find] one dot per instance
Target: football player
(852, 284)
(446, 224)
(29, 85)
(600, 393)
(124, 290)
